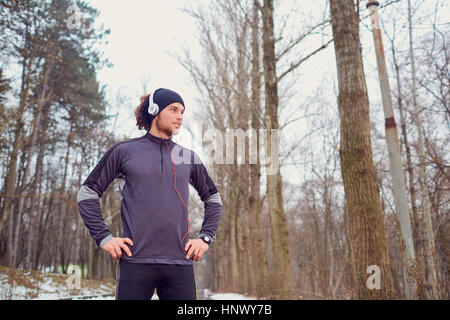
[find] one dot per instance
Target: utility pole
(395, 161)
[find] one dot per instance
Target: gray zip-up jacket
(153, 214)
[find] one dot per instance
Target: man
(154, 189)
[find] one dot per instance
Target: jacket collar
(158, 139)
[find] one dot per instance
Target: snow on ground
(207, 294)
(23, 284)
(210, 296)
(33, 285)
(230, 296)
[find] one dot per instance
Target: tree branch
(296, 65)
(299, 39)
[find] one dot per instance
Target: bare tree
(365, 221)
(431, 248)
(259, 265)
(282, 273)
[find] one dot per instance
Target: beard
(165, 128)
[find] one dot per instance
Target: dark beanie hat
(163, 98)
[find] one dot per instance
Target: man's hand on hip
(115, 245)
(196, 248)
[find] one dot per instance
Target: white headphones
(153, 108)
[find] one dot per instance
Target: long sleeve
(92, 189)
(210, 196)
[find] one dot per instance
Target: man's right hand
(115, 245)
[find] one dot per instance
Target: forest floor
(26, 284)
(18, 284)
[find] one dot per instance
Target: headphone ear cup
(153, 108)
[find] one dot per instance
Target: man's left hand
(196, 248)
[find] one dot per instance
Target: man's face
(170, 119)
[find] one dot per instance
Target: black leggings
(138, 281)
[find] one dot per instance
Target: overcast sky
(145, 35)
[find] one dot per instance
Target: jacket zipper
(160, 150)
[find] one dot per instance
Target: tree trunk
(35, 123)
(246, 276)
(327, 252)
(430, 248)
(283, 278)
(62, 210)
(36, 236)
(233, 245)
(365, 221)
(11, 176)
(317, 262)
(259, 257)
